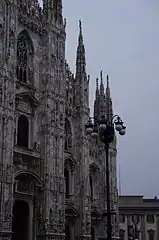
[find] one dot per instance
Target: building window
(150, 218)
(122, 234)
(151, 234)
(25, 54)
(135, 218)
(67, 182)
(68, 136)
(91, 186)
(23, 132)
(122, 218)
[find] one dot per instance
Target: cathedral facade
(52, 175)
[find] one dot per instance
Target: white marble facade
(52, 175)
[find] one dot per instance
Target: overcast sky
(122, 39)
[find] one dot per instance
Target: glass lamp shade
(122, 131)
(118, 126)
(94, 134)
(102, 127)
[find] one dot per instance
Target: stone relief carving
(88, 223)
(61, 119)
(37, 146)
(1, 93)
(42, 222)
(1, 37)
(61, 220)
(7, 207)
(52, 221)
(52, 118)
(1, 14)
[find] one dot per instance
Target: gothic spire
(107, 88)
(80, 57)
(109, 100)
(101, 85)
(96, 101)
(97, 89)
(80, 38)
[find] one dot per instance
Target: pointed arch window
(23, 132)
(25, 55)
(68, 136)
(91, 186)
(67, 182)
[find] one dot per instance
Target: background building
(142, 212)
(52, 176)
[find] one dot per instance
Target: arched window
(68, 136)
(67, 182)
(25, 54)
(23, 131)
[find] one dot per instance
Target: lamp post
(105, 129)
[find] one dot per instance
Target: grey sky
(122, 39)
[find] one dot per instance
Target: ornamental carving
(7, 207)
(30, 162)
(1, 14)
(61, 220)
(1, 93)
(52, 221)
(42, 222)
(88, 223)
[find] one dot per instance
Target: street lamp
(104, 128)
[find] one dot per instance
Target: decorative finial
(80, 39)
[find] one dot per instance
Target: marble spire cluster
(103, 101)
